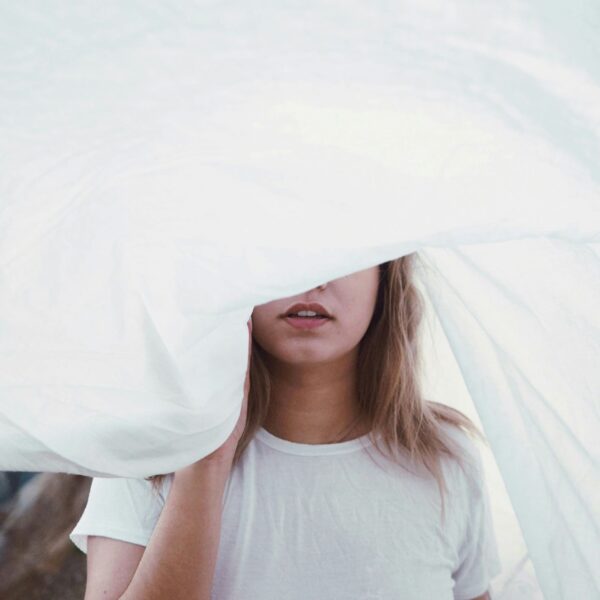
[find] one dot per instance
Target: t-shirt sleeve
(121, 508)
(478, 557)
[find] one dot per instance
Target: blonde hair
(389, 394)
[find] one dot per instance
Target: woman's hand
(225, 452)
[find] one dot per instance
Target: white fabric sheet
(166, 166)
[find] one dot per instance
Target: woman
(339, 480)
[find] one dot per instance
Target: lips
(312, 306)
(307, 323)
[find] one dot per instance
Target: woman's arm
(180, 558)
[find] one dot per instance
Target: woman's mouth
(306, 322)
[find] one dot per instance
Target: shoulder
(159, 492)
(138, 493)
(469, 467)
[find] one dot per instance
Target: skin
(313, 372)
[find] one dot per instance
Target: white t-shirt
(326, 522)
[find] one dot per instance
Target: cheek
(354, 325)
(264, 329)
(360, 306)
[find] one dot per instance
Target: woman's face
(350, 300)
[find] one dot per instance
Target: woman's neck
(315, 404)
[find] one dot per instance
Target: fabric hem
(471, 593)
(79, 538)
(299, 449)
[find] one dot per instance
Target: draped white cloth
(166, 166)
